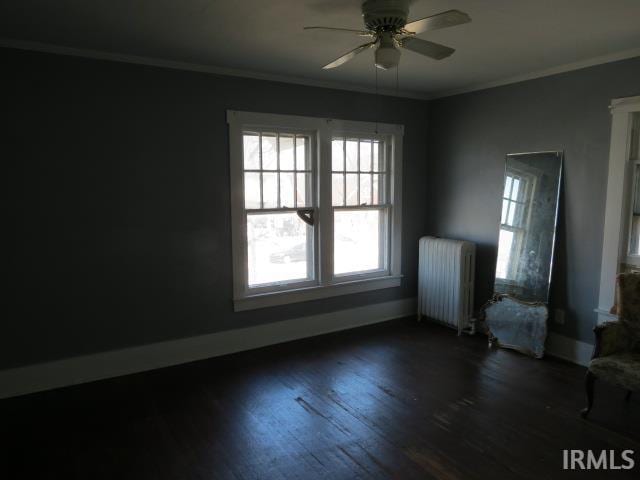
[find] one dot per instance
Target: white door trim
(614, 238)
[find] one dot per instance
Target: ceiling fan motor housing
(385, 15)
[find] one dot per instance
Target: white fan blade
(348, 56)
(362, 33)
(429, 49)
(446, 19)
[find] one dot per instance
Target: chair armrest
(611, 337)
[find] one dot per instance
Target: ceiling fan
(386, 23)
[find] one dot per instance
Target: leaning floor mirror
(517, 315)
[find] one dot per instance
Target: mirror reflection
(528, 225)
(634, 234)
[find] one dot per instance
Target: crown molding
(567, 67)
(233, 72)
(202, 68)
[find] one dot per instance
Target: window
(316, 207)
(621, 229)
(632, 261)
(515, 209)
(360, 213)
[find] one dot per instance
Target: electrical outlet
(558, 316)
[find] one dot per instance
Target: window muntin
(360, 212)
(277, 183)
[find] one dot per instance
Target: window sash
(310, 203)
(261, 171)
(376, 174)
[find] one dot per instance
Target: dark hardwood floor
(396, 400)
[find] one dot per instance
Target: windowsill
(272, 299)
(605, 315)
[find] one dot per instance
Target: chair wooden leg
(628, 397)
(589, 380)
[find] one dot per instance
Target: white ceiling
(507, 38)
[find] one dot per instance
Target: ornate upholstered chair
(616, 356)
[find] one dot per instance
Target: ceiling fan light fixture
(387, 57)
(387, 54)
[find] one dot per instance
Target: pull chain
(377, 98)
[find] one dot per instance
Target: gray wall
(116, 201)
(116, 193)
(469, 136)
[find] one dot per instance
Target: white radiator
(445, 282)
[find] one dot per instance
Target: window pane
(512, 213)
(365, 189)
(251, 148)
(365, 156)
(303, 190)
(516, 187)
(286, 190)
(286, 153)
(505, 245)
(352, 155)
(636, 191)
(376, 162)
(635, 138)
(519, 211)
(337, 155)
(357, 241)
(301, 153)
(376, 189)
(269, 190)
(505, 208)
(379, 188)
(337, 189)
(352, 189)
(277, 248)
(634, 240)
(269, 152)
(251, 190)
(507, 187)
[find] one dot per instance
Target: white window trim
(615, 239)
(326, 285)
